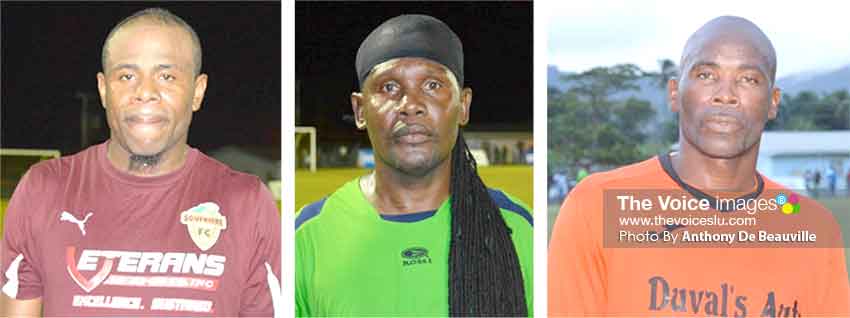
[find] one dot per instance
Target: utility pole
(84, 119)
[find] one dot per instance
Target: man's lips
(723, 121)
(145, 120)
(412, 134)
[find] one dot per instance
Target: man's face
(412, 109)
(149, 88)
(725, 97)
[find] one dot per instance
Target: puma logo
(70, 218)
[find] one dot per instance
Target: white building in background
(786, 155)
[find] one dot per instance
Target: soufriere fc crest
(204, 223)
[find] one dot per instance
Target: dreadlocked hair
(484, 272)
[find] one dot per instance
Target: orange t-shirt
(588, 278)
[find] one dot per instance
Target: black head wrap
(412, 35)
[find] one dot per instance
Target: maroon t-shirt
(90, 239)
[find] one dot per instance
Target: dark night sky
(51, 52)
(497, 41)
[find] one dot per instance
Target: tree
(584, 123)
(599, 83)
(667, 69)
(837, 109)
(807, 111)
(668, 131)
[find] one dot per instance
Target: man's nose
(726, 94)
(147, 90)
(412, 105)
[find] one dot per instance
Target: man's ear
(775, 101)
(358, 108)
(465, 102)
(673, 94)
(101, 88)
(200, 89)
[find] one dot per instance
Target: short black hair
(163, 17)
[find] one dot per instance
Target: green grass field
(313, 186)
(3, 203)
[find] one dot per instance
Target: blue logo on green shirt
(415, 255)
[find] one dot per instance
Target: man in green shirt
(582, 172)
(421, 235)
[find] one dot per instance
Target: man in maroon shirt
(142, 224)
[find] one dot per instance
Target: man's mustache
(714, 113)
(405, 129)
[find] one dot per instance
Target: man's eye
(126, 77)
(750, 80)
(389, 87)
(168, 77)
(432, 85)
(704, 76)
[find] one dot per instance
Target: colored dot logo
(781, 199)
(789, 204)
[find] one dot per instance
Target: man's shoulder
(819, 218)
(508, 203)
(45, 179)
(224, 174)
(57, 169)
(341, 196)
(309, 212)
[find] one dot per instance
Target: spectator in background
(520, 148)
(816, 179)
(581, 174)
(831, 179)
(847, 185)
(560, 183)
(808, 176)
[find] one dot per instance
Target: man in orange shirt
(724, 96)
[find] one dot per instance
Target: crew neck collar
(667, 165)
(123, 176)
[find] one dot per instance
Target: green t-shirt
(352, 261)
(582, 173)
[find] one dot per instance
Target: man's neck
(711, 174)
(169, 160)
(392, 192)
